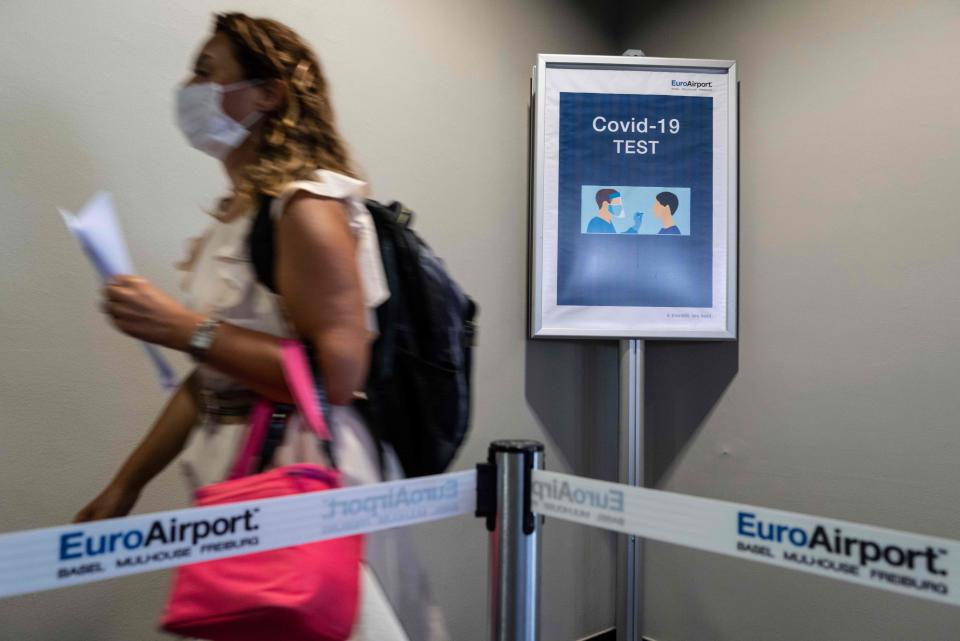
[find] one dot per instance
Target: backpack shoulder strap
(260, 243)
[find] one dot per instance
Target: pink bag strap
(302, 387)
(300, 382)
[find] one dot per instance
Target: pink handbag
(302, 593)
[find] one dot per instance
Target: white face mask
(201, 118)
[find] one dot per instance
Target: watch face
(203, 337)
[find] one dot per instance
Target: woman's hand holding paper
(141, 310)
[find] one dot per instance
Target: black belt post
(504, 486)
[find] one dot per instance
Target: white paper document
(96, 228)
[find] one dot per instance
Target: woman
(257, 101)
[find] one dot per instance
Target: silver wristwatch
(202, 338)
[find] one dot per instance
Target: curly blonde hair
(301, 135)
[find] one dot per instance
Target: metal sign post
(630, 548)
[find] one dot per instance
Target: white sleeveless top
(219, 281)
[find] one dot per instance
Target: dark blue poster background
(631, 270)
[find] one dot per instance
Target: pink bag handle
(296, 371)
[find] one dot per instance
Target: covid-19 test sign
(634, 203)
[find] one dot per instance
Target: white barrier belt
(922, 566)
(48, 558)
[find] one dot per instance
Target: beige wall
(432, 95)
(842, 397)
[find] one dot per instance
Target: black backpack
(418, 389)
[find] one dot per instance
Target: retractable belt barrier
(48, 558)
(509, 490)
(922, 566)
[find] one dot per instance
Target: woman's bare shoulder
(314, 219)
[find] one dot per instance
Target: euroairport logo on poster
(830, 549)
(691, 85)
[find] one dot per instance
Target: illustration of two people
(610, 206)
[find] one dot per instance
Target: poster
(634, 221)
